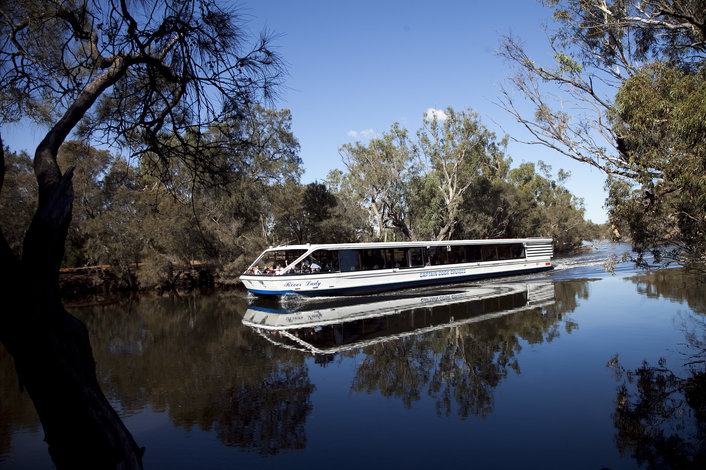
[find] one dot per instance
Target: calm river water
(576, 368)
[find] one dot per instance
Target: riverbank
(142, 277)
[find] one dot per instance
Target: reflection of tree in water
(397, 368)
(674, 284)
(270, 417)
(461, 366)
(16, 410)
(192, 358)
(660, 414)
(661, 417)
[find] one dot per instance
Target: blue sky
(355, 68)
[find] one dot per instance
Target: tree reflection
(660, 417)
(269, 417)
(398, 368)
(16, 410)
(461, 366)
(660, 413)
(192, 358)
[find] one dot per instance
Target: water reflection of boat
(328, 326)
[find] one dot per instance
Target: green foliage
(633, 72)
(465, 188)
(567, 64)
(18, 198)
(162, 213)
(456, 150)
(378, 173)
(309, 214)
(658, 116)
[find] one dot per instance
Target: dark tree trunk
(51, 349)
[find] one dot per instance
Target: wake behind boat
(361, 268)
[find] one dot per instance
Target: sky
(355, 68)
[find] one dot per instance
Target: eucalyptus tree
(457, 148)
(305, 214)
(350, 215)
(545, 207)
(615, 100)
(257, 155)
(89, 200)
(379, 173)
(151, 75)
(18, 198)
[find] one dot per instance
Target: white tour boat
(361, 268)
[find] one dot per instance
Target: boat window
(399, 258)
(416, 257)
(275, 260)
(518, 251)
(438, 255)
(513, 251)
(504, 252)
(489, 252)
(457, 254)
(349, 260)
(320, 261)
(474, 254)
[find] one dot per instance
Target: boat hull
(367, 282)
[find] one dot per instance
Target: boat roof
(408, 244)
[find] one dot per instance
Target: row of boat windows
(387, 258)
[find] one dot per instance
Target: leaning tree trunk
(51, 349)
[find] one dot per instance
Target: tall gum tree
(151, 75)
(584, 107)
(379, 173)
(456, 147)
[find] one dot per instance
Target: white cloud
(364, 134)
(437, 114)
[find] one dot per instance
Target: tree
(230, 217)
(17, 199)
(457, 148)
(349, 216)
(89, 202)
(658, 117)
(379, 173)
(586, 108)
(455, 181)
(151, 75)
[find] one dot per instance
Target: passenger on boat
(255, 270)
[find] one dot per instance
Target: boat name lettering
(448, 272)
(294, 285)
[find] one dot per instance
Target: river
(575, 368)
